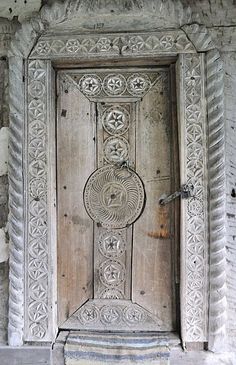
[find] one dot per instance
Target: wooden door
(115, 159)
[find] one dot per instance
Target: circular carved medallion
(90, 85)
(114, 84)
(112, 273)
(115, 120)
(138, 84)
(111, 244)
(114, 197)
(116, 149)
(111, 314)
(133, 315)
(88, 314)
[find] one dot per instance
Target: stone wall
(220, 18)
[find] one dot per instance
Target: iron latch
(185, 192)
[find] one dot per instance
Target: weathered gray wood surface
(75, 162)
(152, 285)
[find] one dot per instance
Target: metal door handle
(185, 192)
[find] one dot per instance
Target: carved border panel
(167, 42)
(39, 243)
(194, 211)
(194, 216)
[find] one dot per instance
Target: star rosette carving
(116, 149)
(116, 120)
(111, 244)
(90, 85)
(112, 273)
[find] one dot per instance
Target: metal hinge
(185, 192)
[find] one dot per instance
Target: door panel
(115, 242)
(75, 161)
(152, 259)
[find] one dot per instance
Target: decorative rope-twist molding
(16, 205)
(201, 39)
(217, 209)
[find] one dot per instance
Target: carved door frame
(32, 220)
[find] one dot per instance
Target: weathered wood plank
(76, 161)
(152, 246)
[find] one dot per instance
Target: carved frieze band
(194, 210)
(37, 253)
(168, 42)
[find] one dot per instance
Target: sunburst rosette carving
(114, 197)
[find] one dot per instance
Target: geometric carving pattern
(37, 257)
(115, 120)
(159, 43)
(112, 273)
(114, 197)
(116, 150)
(138, 84)
(90, 85)
(114, 84)
(121, 313)
(100, 85)
(114, 45)
(111, 244)
(196, 206)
